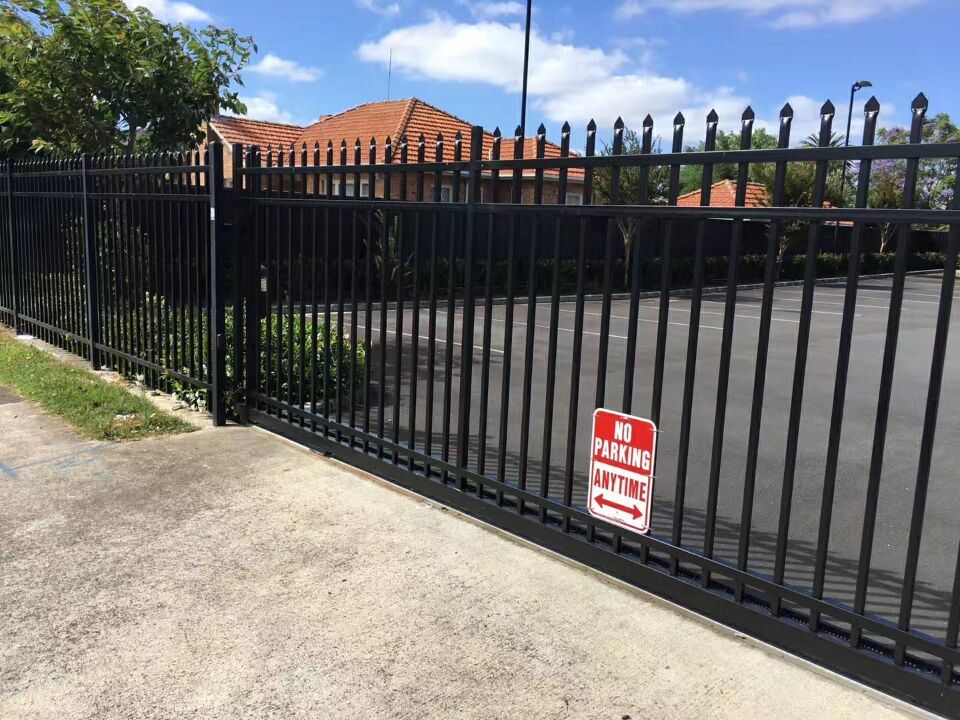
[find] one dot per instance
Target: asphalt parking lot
(941, 532)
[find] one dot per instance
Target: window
(364, 189)
(574, 199)
(446, 194)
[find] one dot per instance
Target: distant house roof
(391, 119)
(234, 130)
(724, 194)
(411, 117)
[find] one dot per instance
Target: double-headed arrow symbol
(634, 512)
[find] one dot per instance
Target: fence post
(217, 311)
(90, 264)
(238, 227)
(466, 344)
(14, 265)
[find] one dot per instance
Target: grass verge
(96, 408)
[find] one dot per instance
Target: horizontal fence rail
(448, 312)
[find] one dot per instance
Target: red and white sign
(622, 455)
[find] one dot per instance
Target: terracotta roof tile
(412, 117)
(245, 131)
(724, 193)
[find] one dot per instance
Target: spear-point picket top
(827, 109)
(301, 248)
(920, 102)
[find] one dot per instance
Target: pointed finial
(648, 121)
(786, 111)
(679, 119)
(496, 132)
(920, 102)
(541, 130)
(566, 128)
(872, 106)
(828, 109)
(592, 126)
(712, 117)
(518, 132)
(421, 139)
(748, 114)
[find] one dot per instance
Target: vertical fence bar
(646, 147)
(90, 263)
(551, 379)
(929, 428)
(398, 313)
(693, 338)
(466, 337)
(487, 318)
(763, 346)
(800, 362)
(450, 314)
(919, 108)
(871, 111)
(531, 324)
(573, 409)
(515, 197)
(12, 249)
(216, 301)
(432, 313)
(726, 345)
(241, 256)
(415, 310)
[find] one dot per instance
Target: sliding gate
(449, 314)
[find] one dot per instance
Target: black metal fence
(429, 341)
(111, 258)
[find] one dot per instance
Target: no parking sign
(622, 456)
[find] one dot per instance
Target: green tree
(96, 76)
(658, 182)
(692, 175)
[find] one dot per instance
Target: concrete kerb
(891, 702)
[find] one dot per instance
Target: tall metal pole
(846, 142)
(526, 68)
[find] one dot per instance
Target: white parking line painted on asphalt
(376, 329)
(882, 293)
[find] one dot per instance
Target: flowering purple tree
(935, 179)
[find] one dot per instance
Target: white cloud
(567, 82)
(780, 13)
(273, 66)
(264, 107)
(175, 12)
(380, 7)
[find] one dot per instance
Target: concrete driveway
(226, 574)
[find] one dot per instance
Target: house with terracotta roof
(231, 130)
(395, 119)
(723, 193)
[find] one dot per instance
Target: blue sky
(593, 58)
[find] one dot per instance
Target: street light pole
(526, 68)
(846, 143)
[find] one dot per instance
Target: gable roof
(245, 131)
(724, 194)
(411, 117)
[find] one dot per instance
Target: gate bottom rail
(871, 662)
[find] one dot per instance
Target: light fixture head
(860, 84)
